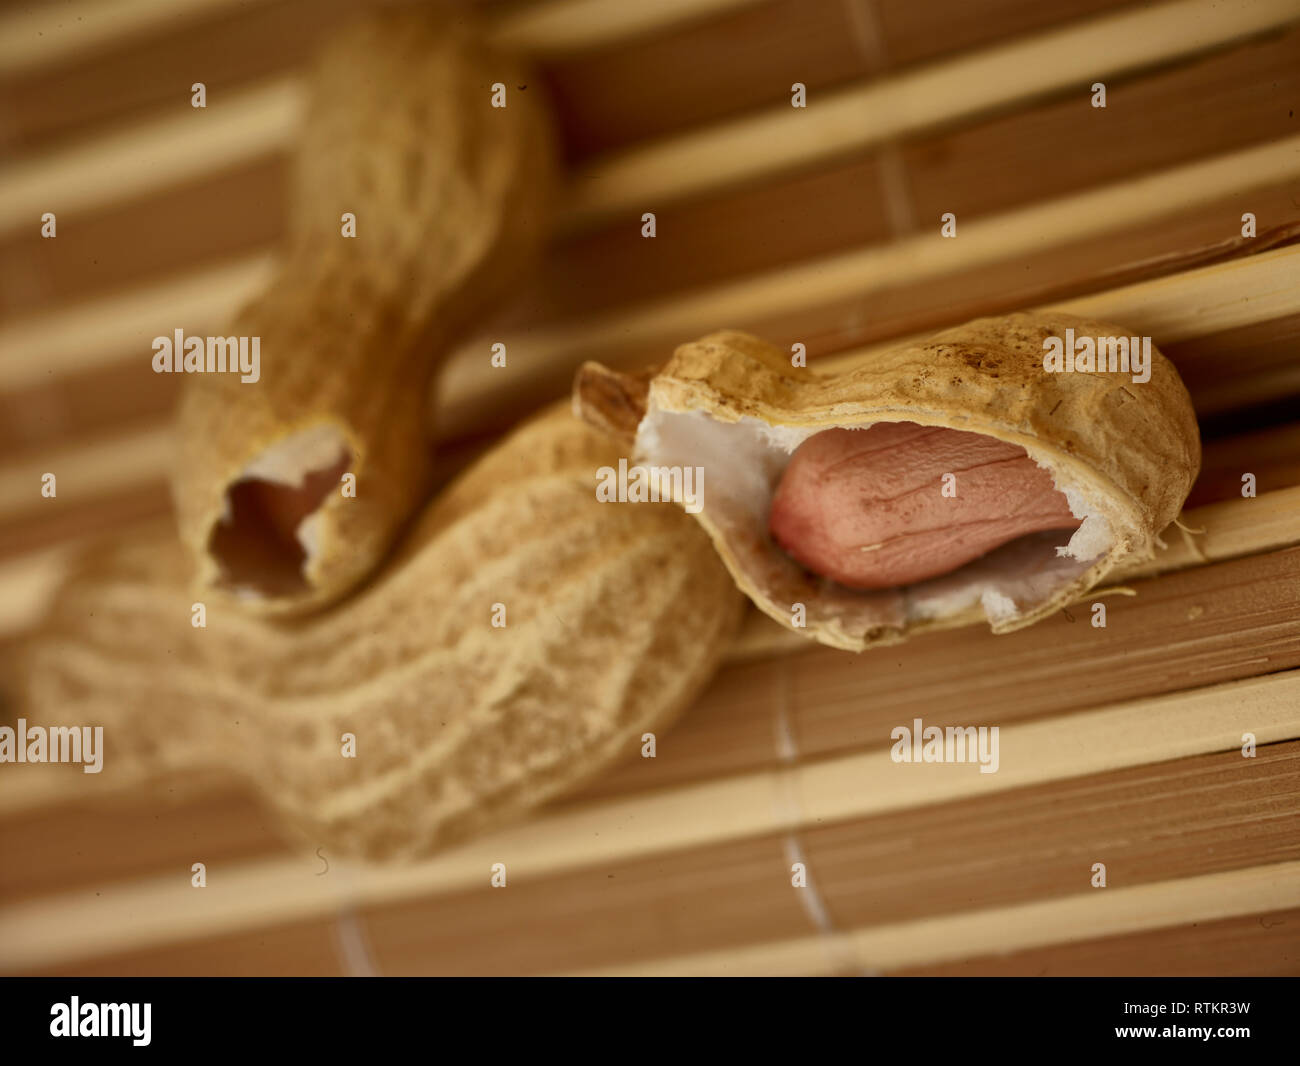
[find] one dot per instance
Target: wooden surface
(835, 245)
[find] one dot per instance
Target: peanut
(1124, 453)
(613, 619)
(866, 507)
(450, 199)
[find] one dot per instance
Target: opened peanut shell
(523, 639)
(1120, 446)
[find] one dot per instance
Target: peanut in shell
(1124, 454)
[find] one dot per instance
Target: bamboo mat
(1120, 746)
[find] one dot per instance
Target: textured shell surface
(609, 617)
(1123, 453)
(451, 199)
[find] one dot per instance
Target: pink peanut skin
(880, 489)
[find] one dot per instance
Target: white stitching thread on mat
(840, 951)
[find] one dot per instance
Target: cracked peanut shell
(616, 615)
(1124, 454)
(451, 199)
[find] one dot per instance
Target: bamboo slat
(1225, 371)
(35, 37)
(1177, 819)
(1272, 455)
(607, 97)
(32, 36)
(1261, 287)
(77, 341)
(645, 178)
(142, 461)
(1238, 294)
(830, 208)
(1255, 945)
(1174, 820)
(73, 924)
(292, 949)
(132, 837)
(1027, 925)
(541, 359)
(140, 160)
(574, 25)
(1209, 625)
(102, 470)
(151, 155)
(150, 73)
(461, 938)
(1120, 744)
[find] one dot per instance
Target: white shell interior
(742, 463)
(289, 461)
